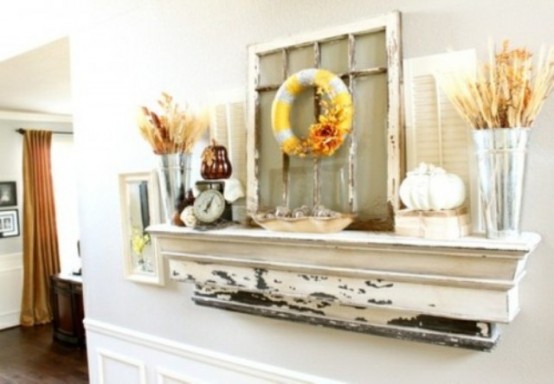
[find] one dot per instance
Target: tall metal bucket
(501, 156)
(174, 180)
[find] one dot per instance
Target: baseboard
(126, 354)
(9, 319)
(11, 262)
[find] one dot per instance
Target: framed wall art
(8, 194)
(139, 209)
(9, 223)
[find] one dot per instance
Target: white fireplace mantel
(450, 292)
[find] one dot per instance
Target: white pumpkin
(430, 188)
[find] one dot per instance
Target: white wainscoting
(11, 281)
(120, 355)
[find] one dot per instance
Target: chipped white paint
(369, 282)
(464, 303)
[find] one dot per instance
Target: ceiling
(37, 81)
(34, 56)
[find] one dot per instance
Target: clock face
(209, 206)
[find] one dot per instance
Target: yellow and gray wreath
(334, 123)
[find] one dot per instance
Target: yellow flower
(325, 138)
(139, 241)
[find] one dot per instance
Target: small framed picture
(8, 194)
(9, 223)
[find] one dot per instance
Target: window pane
(272, 72)
(334, 55)
(370, 50)
(371, 117)
(270, 163)
(301, 58)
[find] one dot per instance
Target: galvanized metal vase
(174, 180)
(501, 155)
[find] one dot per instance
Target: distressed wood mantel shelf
(449, 292)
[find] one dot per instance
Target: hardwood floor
(30, 356)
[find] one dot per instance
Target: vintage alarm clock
(210, 205)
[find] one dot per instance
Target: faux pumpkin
(215, 163)
(430, 188)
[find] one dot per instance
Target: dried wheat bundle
(507, 92)
(175, 130)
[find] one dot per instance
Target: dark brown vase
(215, 163)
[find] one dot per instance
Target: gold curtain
(40, 235)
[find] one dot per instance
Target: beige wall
(125, 52)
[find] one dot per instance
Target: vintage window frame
(11, 186)
(9, 215)
(157, 276)
(390, 25)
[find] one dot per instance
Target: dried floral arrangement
(507, 92)
(328, 133)
(174, 130)
(335, 114)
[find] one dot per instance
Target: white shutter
(228, 128)
(435, 132)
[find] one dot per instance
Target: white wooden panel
(121, 355)
(228, 127)
(435, 132)
(11, 281)
(164, 376)
(114, 368)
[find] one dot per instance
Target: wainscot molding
(136, 367)
(164, 376)
(117, 354)
(447, 292)
(10, 262)
(11, 281)
(9, 319)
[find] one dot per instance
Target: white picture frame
(9, 223)
(139, 209)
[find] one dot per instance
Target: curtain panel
(40, 238)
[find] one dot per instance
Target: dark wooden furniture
(67, 308)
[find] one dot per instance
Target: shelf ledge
(449, 292)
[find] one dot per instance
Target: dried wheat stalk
(506, 92)
(174, 130)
